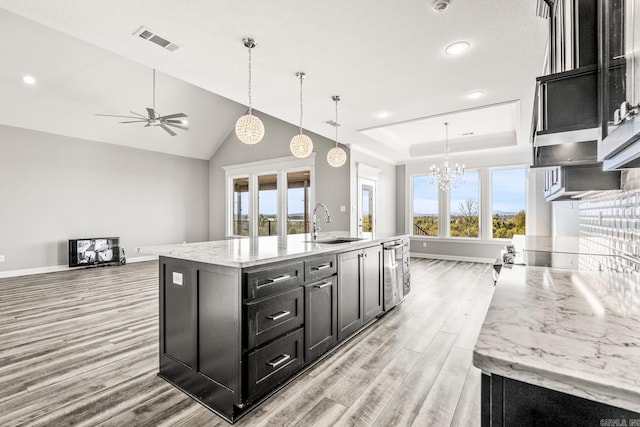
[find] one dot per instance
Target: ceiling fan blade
(113, 115)
(135, 121)
(169, 131)
(138, 114)
(152, 113)
(173, 116)
(176, 126)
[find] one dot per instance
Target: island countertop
(249, 252)
(573, 331)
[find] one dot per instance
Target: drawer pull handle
(279, 315)
(280, 278)
(321, 267)
(279, 361)
(322, 285)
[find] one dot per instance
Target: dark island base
(221, 400)
(508, 402)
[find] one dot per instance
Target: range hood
(621, 149)
(565, 154)
(571, 182)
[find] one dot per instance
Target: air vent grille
(332, 123)
(149, 35)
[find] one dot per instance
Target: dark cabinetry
(562, 183)
(507, 402)
(321, 317)
(360, 294)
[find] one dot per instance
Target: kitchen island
(240, 318)
(561, 346)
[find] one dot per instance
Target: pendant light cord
(249, 89)
(301, 111)
(154, 90)
(337, 124)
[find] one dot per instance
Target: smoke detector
(440, 5)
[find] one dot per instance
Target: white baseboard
(54, 268)
(452, 257)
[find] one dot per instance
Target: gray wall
(331, 185)
(400, 198)
(55, 188)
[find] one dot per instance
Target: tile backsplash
(612, 218)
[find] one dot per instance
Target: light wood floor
(80, 348)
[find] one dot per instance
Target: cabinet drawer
(319, 268)
(264, 281)
(270, 317)
(274, 363)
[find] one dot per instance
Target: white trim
(263, 166)
(451, 257)
(368, 172)
(56, 268)
(371, 153)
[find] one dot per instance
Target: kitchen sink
(338, 240)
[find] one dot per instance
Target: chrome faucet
(327, 219)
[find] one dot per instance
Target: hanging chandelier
(301, 145)
(446, 175)
(336, 156)
(249, 128)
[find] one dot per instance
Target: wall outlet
(1, 258)
(424, 244)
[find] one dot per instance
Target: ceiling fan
(153, 118)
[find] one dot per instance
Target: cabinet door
(373, 295)
(320, 318)
(350, 317)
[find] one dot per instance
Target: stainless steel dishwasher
(394, 272)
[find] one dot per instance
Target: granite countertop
(248, 252)
(576, 332)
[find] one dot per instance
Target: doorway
(366, 208)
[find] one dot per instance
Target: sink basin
(338, 240)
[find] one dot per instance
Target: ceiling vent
(147, 34)
(332, 123)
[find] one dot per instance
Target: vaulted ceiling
(384, 58)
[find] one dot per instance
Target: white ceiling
(380, 56)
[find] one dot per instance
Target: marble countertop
(576, 332)
(248, 252)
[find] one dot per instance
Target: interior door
(366, 208)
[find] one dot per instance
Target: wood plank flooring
(81, 348)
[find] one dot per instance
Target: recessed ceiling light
(383, 114)
(476, 94)
(30, 80)
(457, 48)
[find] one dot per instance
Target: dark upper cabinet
(619, 147)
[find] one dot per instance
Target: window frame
(279, 166)
(485, 226)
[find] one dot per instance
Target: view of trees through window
(425, 206)
(508, 198)
(464, 197)
(298, 202)
(241, 206)
(508, 205)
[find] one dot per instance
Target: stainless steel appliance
(396, 272)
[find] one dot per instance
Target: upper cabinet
(619, 145)
(567, 108)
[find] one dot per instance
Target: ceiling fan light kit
(301, 145)
(153, 118)
(249, 128)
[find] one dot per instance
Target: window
(267, 205)
(241, 206)
(298, 202)
(425, 206)
(269, 197)
(464, 213)
(508, 202)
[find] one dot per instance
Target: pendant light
(249, 128)
(336, 156)
(301, 145)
